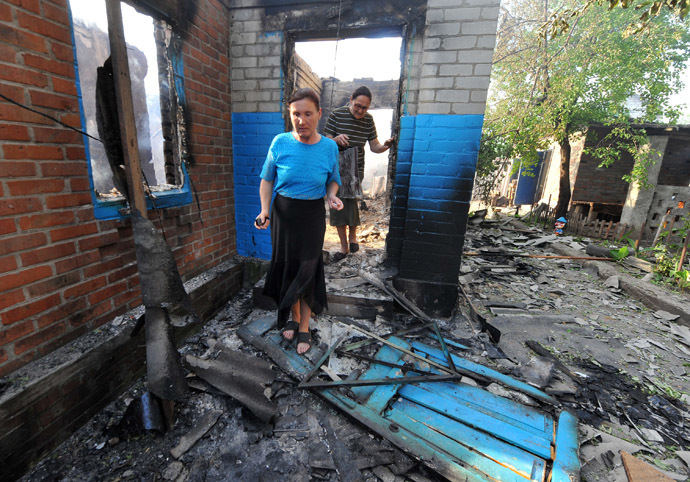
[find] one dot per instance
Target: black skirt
(296, 270)
(348, 216)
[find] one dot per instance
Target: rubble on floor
(616, 364)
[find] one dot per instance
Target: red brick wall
(62, 272)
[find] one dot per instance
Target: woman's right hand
(262, 221)
(342, 140)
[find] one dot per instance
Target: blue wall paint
(527, 181)
(432, 191)
(436, 161)
(252, 134)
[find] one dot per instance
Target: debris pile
(532, 320)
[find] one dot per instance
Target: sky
(353, 58)
(138, 30)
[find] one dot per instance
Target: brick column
(256, 105)
(437, 153)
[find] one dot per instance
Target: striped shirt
(360, 131)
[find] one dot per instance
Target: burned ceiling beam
(328, 17)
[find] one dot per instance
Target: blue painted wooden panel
(431, 455)
(439, 357)
(528, 178)
(380, 398)
(493, 457)
(529, 418)
(387, 354)
(461, 432)
(566, 466)
(480, 417)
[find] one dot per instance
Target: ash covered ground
(625, 377)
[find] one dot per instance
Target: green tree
(560, 21)
(545, 90)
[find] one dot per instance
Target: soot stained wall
(448, 48)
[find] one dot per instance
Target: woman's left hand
(334, 202)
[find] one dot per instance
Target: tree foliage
(544, 90)
(559, 22)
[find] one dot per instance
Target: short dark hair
(363, 90)
(305, 93)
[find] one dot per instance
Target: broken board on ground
(461, 431)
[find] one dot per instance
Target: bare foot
(303, 343)
(303, 348)
(290, 330)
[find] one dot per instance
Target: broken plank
(325, 356)
(433, 456)
(188, 440)
(540, 350)
(342, 458)
(390, 380)
(448, 342)
(125, 107)
(381, 397)
(488, 373)
(399, 297)
(385, 353)
(566, 465)
(640, 471)
(481, 450)
(638, 263)
(293, 366)
(361, 462)
(386, 342)
(484, 326)
(362, 343)
(527, 418)
(482, 417)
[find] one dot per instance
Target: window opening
(158, 98)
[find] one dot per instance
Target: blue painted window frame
(118, 208)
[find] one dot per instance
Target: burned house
(208, 88)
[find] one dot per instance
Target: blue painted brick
(438, 249)
(245, 191)
(457, 121)
(434, 182)
(466, 158)
(245, 150)
(424, 204)
(270, 129)
(243, 130)
(252, 135)
(408, 122)
(405, 145)
(421, 145)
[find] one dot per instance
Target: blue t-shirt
(301, 171)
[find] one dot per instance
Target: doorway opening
(335, 68)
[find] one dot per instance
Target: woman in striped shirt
(352, 126)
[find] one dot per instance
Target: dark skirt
(296, 270)
(348, 216)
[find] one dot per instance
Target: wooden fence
(599, 229)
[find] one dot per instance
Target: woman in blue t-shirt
(301, 167)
